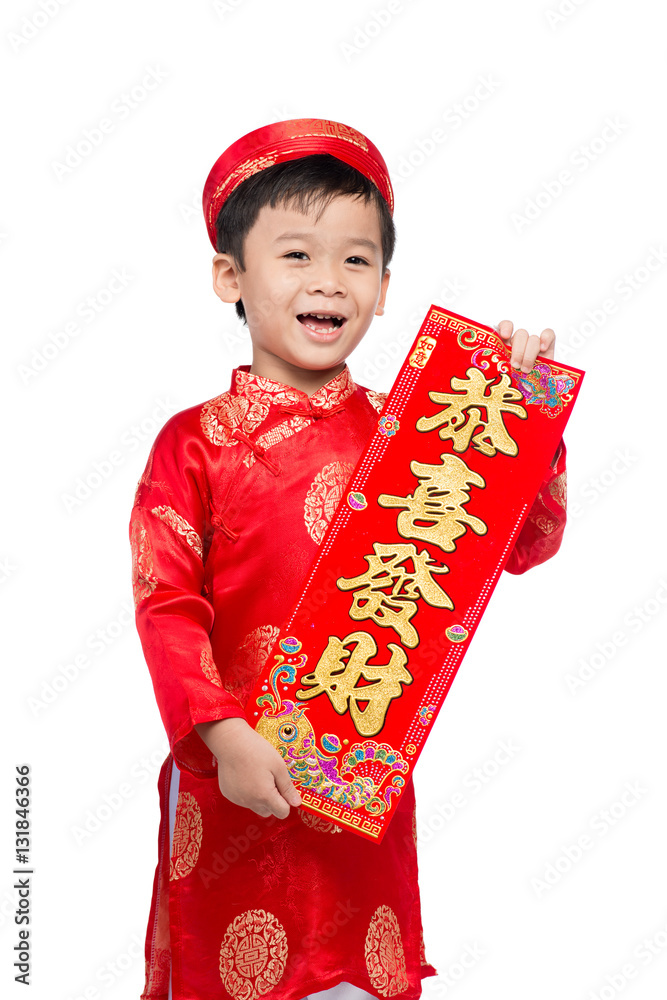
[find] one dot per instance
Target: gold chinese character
(461, 422)
(435, 511)
(386, 569)
(339, 670)
(422, 352)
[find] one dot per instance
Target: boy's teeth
(320, 322)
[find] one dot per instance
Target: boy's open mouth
(321, 322)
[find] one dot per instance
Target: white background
(165, 342)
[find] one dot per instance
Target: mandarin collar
(259, 389)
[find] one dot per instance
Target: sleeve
(174, 618)
(542, 531)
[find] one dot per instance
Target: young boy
(253, 898)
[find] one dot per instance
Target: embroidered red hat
(290, 140)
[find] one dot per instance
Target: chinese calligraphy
(435, 511)
(397, 575)
(339, 670)
(387, 569)
(461, 422)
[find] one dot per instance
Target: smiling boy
(252, 898)
(323, 277)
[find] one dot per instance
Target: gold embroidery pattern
(259, 389)
(385, 958)
(558, 489)
(180, 526)
(324, 495)
(318, 823)
(221, 416)
(241, 173)
(144, 580)
(422, 948)
(545, 524)
(157, 974)
(263, 390)
(335, 392)
(209, 669)
(376, 399)
(253, 954)
(248, 660)
(188, 830)
(247, 168)
(277, 434)
(337, 130)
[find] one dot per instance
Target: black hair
(308, 181)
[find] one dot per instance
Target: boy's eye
(356, 260)
(297, 254)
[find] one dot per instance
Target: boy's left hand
(526, 349)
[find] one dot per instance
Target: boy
(252, 898)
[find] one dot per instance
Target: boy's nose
(327, 281)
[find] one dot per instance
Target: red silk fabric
(290, 140)
(227, 520)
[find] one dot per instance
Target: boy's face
(298, 268)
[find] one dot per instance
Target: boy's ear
(225, 278)
(383, 292)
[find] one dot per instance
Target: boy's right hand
(251, 773)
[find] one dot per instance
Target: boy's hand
(526, 349)
(251, 773)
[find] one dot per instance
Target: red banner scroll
(408, 563)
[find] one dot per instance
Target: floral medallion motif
(144, 580)
(385, 958)
(388, 425)
(221, 416)
(253, 954)
(324, 495)
(426, 714)
(209, 669)
(180, 526)
(188, 830)
(319, 823)
(376, 399)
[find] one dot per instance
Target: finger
(504, 329)
(547, 343)
(530, 353)
(279, 808)
(272, 804)
(286, 788)
(519, 341)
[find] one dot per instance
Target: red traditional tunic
(227, 519)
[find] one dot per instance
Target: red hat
(290, 140)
